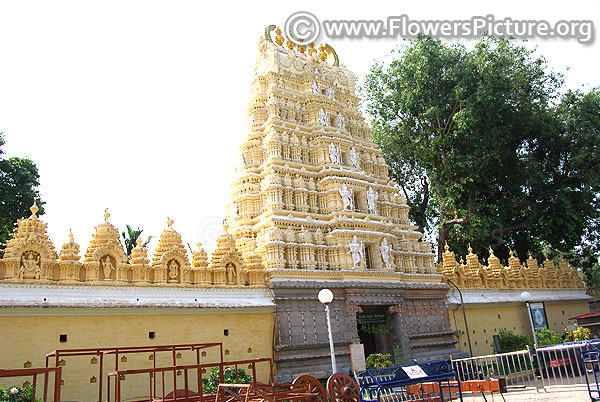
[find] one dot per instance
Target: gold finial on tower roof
(71, 238)
(446, 246)
(34, 209)
(106, 215)
(169, 222)
(278, 38)
(510, 252)
(301, 48)
(311, 49)
(470, 249)
(491, 252)
(138, 242)
(322, 53)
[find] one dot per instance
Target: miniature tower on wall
(313, 198)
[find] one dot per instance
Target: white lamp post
(326, 297)
(526, 297)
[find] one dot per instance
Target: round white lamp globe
(525, 296)
(325, 296)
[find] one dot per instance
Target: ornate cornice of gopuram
(313, 196)
(517, 275)
(30, 257)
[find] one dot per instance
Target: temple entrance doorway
(375, 329)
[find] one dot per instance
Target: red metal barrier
(34, 372)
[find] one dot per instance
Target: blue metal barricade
(419, 382)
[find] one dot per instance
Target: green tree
(485, 148)
(19, 179)
(130, 237)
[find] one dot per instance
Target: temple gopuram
(314, 199)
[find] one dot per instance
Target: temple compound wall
(492, 296)
(109, 300)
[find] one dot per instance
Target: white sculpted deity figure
(347, 198)
(330, 93)
(334, 154)
(173, 269)
(356, 249)
(372, 196)
(107, 267)
(340, 121)
(354, 158)
(322, 117)
(386, 250)
(315, 88)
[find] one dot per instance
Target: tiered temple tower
(314, 200)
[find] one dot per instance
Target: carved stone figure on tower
(330, 93)
(30, 263)
(334, 154)
(347, 198)
(315, 88)
(354, 158)
(322, 117)
(173, 269)
(356, 249)
(372, 196)
(230, 272)
(107, 267)
(386, 250)
(340, 121)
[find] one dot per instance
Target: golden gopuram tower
(314, 200)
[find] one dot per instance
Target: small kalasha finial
(138, 242)
(491, 252)
(169, 222)
(34, 209)
(71, 239)
(106, 215)
(446, 246)
(510, 252)
(470, 249)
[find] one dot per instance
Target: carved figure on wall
(347, 198)
(173, 269)
(372, 196)
(315, 88)
(322, 117)
(231, 274)
(334, 154)
(30, 262)
(386, 250)
(340, 121)
(330, 93)
(354, 158)
(356, 249)
(107, 267)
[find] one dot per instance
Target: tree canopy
(486, 149)
(130, 237)
(19, 179)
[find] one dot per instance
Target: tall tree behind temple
(19, 179)
(130, 237)
(485, 148)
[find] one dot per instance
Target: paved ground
(553, 394)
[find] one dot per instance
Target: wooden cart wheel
(314, 387)
(342, 388)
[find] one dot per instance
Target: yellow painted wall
(28, 334)
(487, 320)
